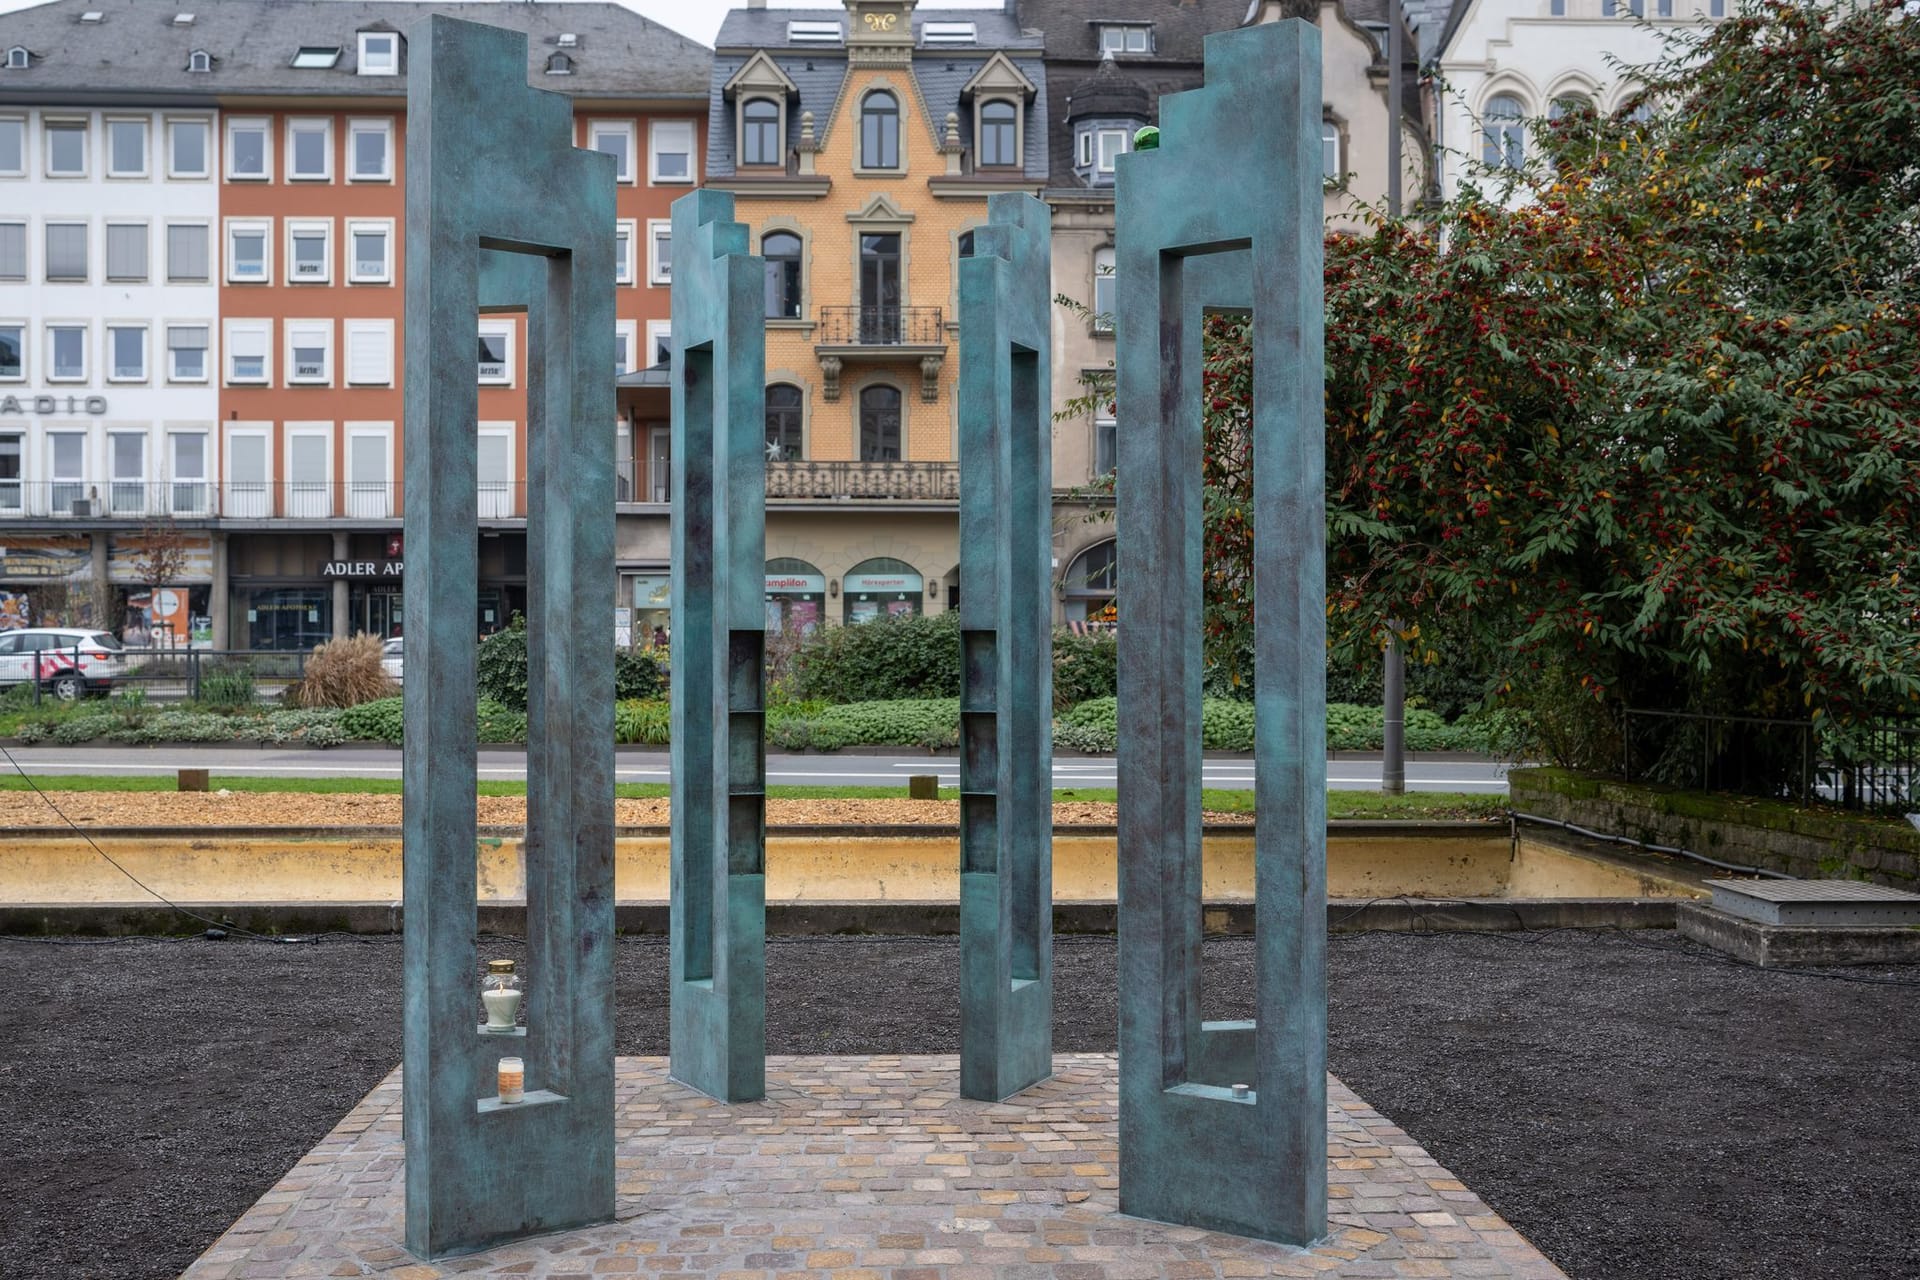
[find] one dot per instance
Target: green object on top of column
(1223, 1125)
(719, 911)
(1006, 681)
(504, 213)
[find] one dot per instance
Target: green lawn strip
(1431, 805)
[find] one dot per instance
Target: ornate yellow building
(862, 144)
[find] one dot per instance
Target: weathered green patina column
(1223, 1125)
(719, 913)
(503, 213)
(1006, 681)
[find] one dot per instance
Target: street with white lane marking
(1480, 776)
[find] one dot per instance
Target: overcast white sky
(697, 18)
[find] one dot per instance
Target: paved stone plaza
(874, 1168)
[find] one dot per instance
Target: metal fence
(233, 677)
(1868, 764)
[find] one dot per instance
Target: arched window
(880, 131)
(1088, 588)
(781, 249)
(999, 134)
(964, 244)
(881, 588)
(796, 596)
(784, 405)
(1330, 168)
(200, 60)
(17, 58)
(880, 424)
(760, 132)
(1568, 105)
(1503, 136)
(559, 64)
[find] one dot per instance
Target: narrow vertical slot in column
(746, 753)
(1030, 657)
(978, 671)
(695, 688)
(979, 834)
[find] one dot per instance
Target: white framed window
(496, 353)
(317, 57)
(1108, 144)
(126, 148)
(1084, 143)
(66, 353)
(13, 458)
(249, 251)
(1106, 436)
(186, 353)
(19, 58)
(369, 347)
(67, 468)
(127, 473)
(13, 351)
(369, 470)
(659, 251)
(309, 352)
(127, 251)
(309, 149)
(189, 148)
(66, 148)
(1121, 37)
(248, 461)
(187, 257)
(370, 250)
(126, 353)
(1330, 170)
(625, 333)
(623, 251)
(309, 252)
(249, 149)
(1105, 286)
(659, 342)
(200, 62)
(495, 449)
(670, 151)
(248, 344)
(379, 54)
(188, 491)
(370, 150)
(310, 470)
(13, 251)
(13, 147)
(67, 251)
(614, 138)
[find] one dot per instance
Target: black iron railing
(880, 327)
(232, 499)
(1869, 763)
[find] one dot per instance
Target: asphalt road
(1474, 776)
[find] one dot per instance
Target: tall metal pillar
(719, 911)
(503, 213)
(1006, 689)
(1223, 1124)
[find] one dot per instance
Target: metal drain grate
(1815, 902)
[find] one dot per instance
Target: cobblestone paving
(873, 1168)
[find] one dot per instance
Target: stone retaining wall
(1812, 844)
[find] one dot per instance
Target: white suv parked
(67, 661)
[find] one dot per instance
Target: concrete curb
(826, 919)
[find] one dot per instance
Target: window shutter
(187, 337)
(247, 344)
(369, 355)
(126, 251)
(187, 253)
(13, 251)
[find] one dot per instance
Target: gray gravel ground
(1639, 1109)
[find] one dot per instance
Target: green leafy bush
(227, 685)
(1084, 667)
(1094, 726)
(502, 669)
(642, 721)
(314, 727)
(181, 726)
(637, 674)
(84, 728)
(496, 723)
(886, 660)
(376, 721)
(933, 723)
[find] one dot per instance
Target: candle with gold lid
(500, 993)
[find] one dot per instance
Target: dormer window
(200, 60)
(804, 31)
(559, 64)
(760, 132)
(92, 16)
(317, 58)
(182, 19)
(999, 134)
(379, 53)
(947, 33)
(18, 59)
(568, 40)
(1126, 37)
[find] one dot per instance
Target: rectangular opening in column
(692, 724)
(979, 834)
(746, 835)
(979, 669)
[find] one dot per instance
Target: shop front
(651, 595)
(796, 597)
(882, 588)
(46, 580)
(162, 589)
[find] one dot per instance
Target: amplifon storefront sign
(47, 405)
(796, 584)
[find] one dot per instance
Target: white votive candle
(513, 1079)
(503, 1007)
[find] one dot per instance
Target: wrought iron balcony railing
(231, 500)
(863, 482)
(880, 327)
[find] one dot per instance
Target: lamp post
(1393, 762)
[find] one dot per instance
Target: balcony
(863, 482)
(881, 333)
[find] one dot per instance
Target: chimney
(756, 4)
